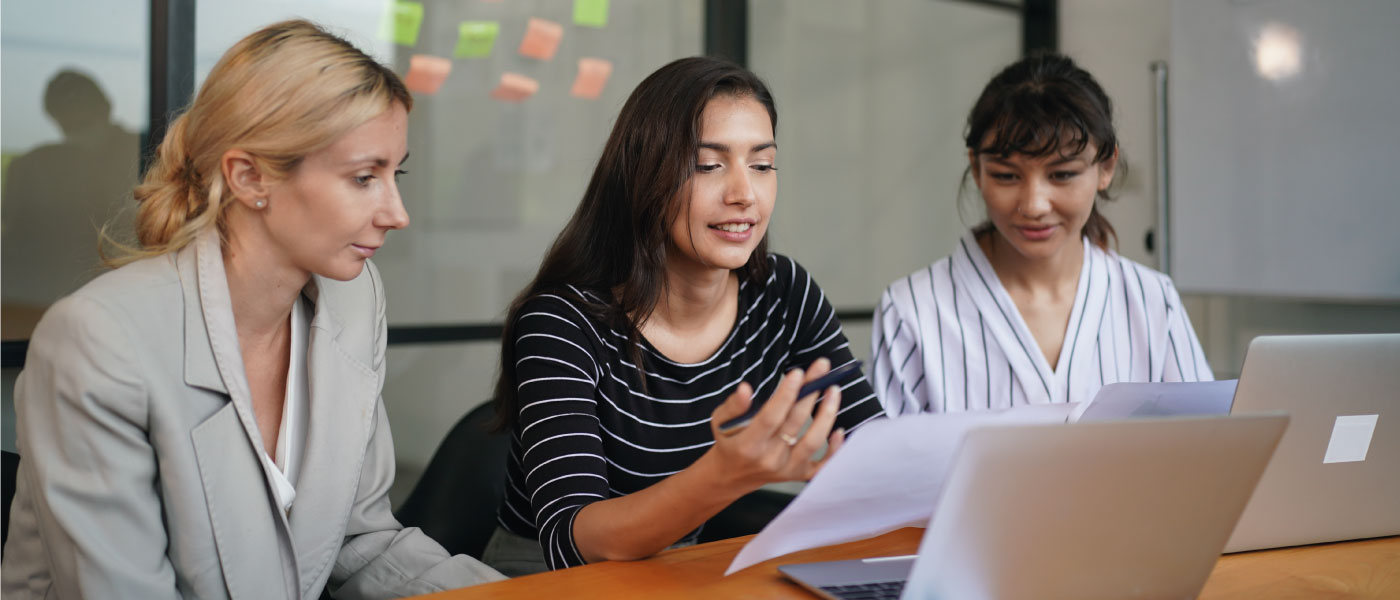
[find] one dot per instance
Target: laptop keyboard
(879, 590)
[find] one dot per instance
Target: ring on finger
(791, 440)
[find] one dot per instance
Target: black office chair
(455, 500)
(746, 516)
(7, 479)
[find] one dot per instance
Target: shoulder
(113, 323)
(1139, 278)
(559, 311)
(787, 276)
(914, 291)
(144, 295)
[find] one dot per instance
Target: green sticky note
(475, 38)
(591, 13)
(405, 20)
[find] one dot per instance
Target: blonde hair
(279, 94)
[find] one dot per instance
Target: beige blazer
(140, 475)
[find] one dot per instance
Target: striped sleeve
(561, 451)
(1185, 359)
(895, 368)
(817, 333)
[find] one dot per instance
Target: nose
(739, 188)
(1034, 201)
(392, 215)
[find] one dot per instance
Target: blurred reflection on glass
(57, 196)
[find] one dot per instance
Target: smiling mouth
(733, 227)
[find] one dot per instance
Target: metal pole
(1163, 233)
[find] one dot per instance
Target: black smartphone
(832, 377)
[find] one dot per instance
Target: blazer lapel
(342, 396)
(200, 368)
(213, 361)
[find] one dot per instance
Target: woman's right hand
(773, 447)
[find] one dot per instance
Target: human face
(333, 211)
(1039, 205)
(732, 190)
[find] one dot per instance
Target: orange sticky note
(541, 39)
(515, 87)
(426, 73)
(592, 77)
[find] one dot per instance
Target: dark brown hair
(1045, 104)
(614, 247)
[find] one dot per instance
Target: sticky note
(475, 38)
(405, 20)
(426, 73)
(541, 39)
(592, 77)
(591, 13)
(515, 87)
(1351, 438)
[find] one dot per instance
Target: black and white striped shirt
(949, 338)
(588, 432)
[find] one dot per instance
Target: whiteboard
(1284, 153)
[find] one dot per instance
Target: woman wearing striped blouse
(1034, 305)
(656, 314)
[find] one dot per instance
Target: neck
(1050, 275)
(262, 285)
(693, 295)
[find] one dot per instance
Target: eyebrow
(717, 147)
(1058, 161)
(377, 161)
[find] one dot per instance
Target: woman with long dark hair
(658, 314)
(1034, 305)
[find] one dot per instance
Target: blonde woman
(205, 421)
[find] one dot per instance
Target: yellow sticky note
(592, 78)
(475, 38)
(591, 13)
(404, 21)
(541, 39)
(426, 73)
(515, 87)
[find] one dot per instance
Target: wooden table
(1363, 569)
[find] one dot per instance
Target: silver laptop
(1089, 510)
(1336, 474)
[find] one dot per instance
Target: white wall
(1117, 40)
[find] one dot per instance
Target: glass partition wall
(871, 95)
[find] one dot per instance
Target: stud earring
(260, 203)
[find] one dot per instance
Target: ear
(1106, 170)
(246, 182)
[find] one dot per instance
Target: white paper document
(1173, 399)
(887, 476)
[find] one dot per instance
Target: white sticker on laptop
(1351, 438)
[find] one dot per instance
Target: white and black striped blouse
(949, 338)
(588, 432)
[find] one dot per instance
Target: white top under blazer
(948, 338)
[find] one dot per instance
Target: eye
(1064, 175)
(1003, 177)
(764, 168)
(399, 173)
(362, 180)
(706, 168)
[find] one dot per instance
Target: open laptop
(1336, 474)
(1087, 510)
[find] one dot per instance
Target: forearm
(641, 524)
